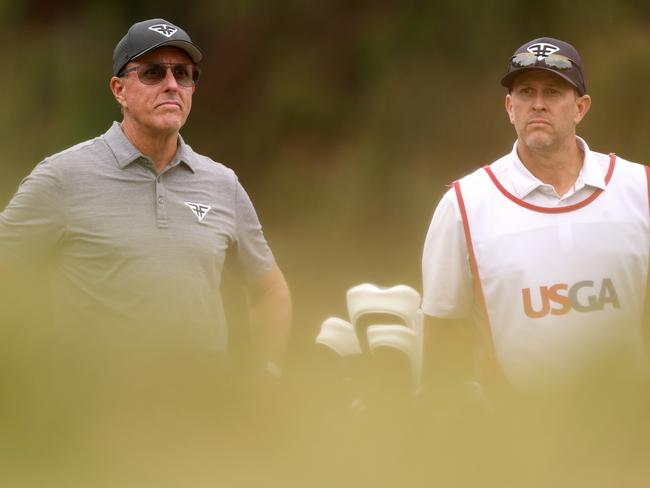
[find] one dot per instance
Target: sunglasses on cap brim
(553, 61)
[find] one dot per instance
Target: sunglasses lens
(154, 73)
(527, 60)
(196, 72)
(150, 74)
(524, 60)
(557, 62)
(183, 74)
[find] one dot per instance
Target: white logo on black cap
(164, 29)
(199, 209)
(541, 49)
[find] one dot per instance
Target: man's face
(154, 109)
(544, 109)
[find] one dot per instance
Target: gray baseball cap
(148, 35)
(547, 53)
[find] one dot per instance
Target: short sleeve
(33, 222)
(254, 256)
(446, 273)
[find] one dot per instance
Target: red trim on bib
(646, 312)
(568, 208)
(491, 362)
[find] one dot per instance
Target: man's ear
(583, 104)
(118, 87)
(509, 108)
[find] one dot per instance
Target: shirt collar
(524, 182)
(126, 153)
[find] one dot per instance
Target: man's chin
(170, 124)
(538, 141)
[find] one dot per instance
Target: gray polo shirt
(128, 246)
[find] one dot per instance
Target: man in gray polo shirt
(138, 224)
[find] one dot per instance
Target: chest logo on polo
(560, 299)
(164, 29)
(199, 209)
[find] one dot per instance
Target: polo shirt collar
(185, 154)
(524, 182)
(126, 153)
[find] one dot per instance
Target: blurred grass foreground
(344, 121)
(88, 414)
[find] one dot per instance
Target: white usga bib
(562, 289)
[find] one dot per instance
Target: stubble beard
(539, 141)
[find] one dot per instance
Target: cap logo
(540, 49)
(164, 29)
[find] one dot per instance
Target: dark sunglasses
(553, 61)
(154, 73)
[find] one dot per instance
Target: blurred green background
(344, 121)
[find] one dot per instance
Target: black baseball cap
(548, 54)
(147, 35)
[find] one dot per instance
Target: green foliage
(343, 119)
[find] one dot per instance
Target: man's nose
(539, 102)
(170, 80)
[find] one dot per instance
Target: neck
(157, 146)
(559, 168)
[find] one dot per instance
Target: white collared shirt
(447, 278)
(519, 181)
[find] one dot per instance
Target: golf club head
(339, 336)
(337, 358)
(397, 345)
(399, 300)
(370, 304)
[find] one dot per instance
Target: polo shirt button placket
(161, 208)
